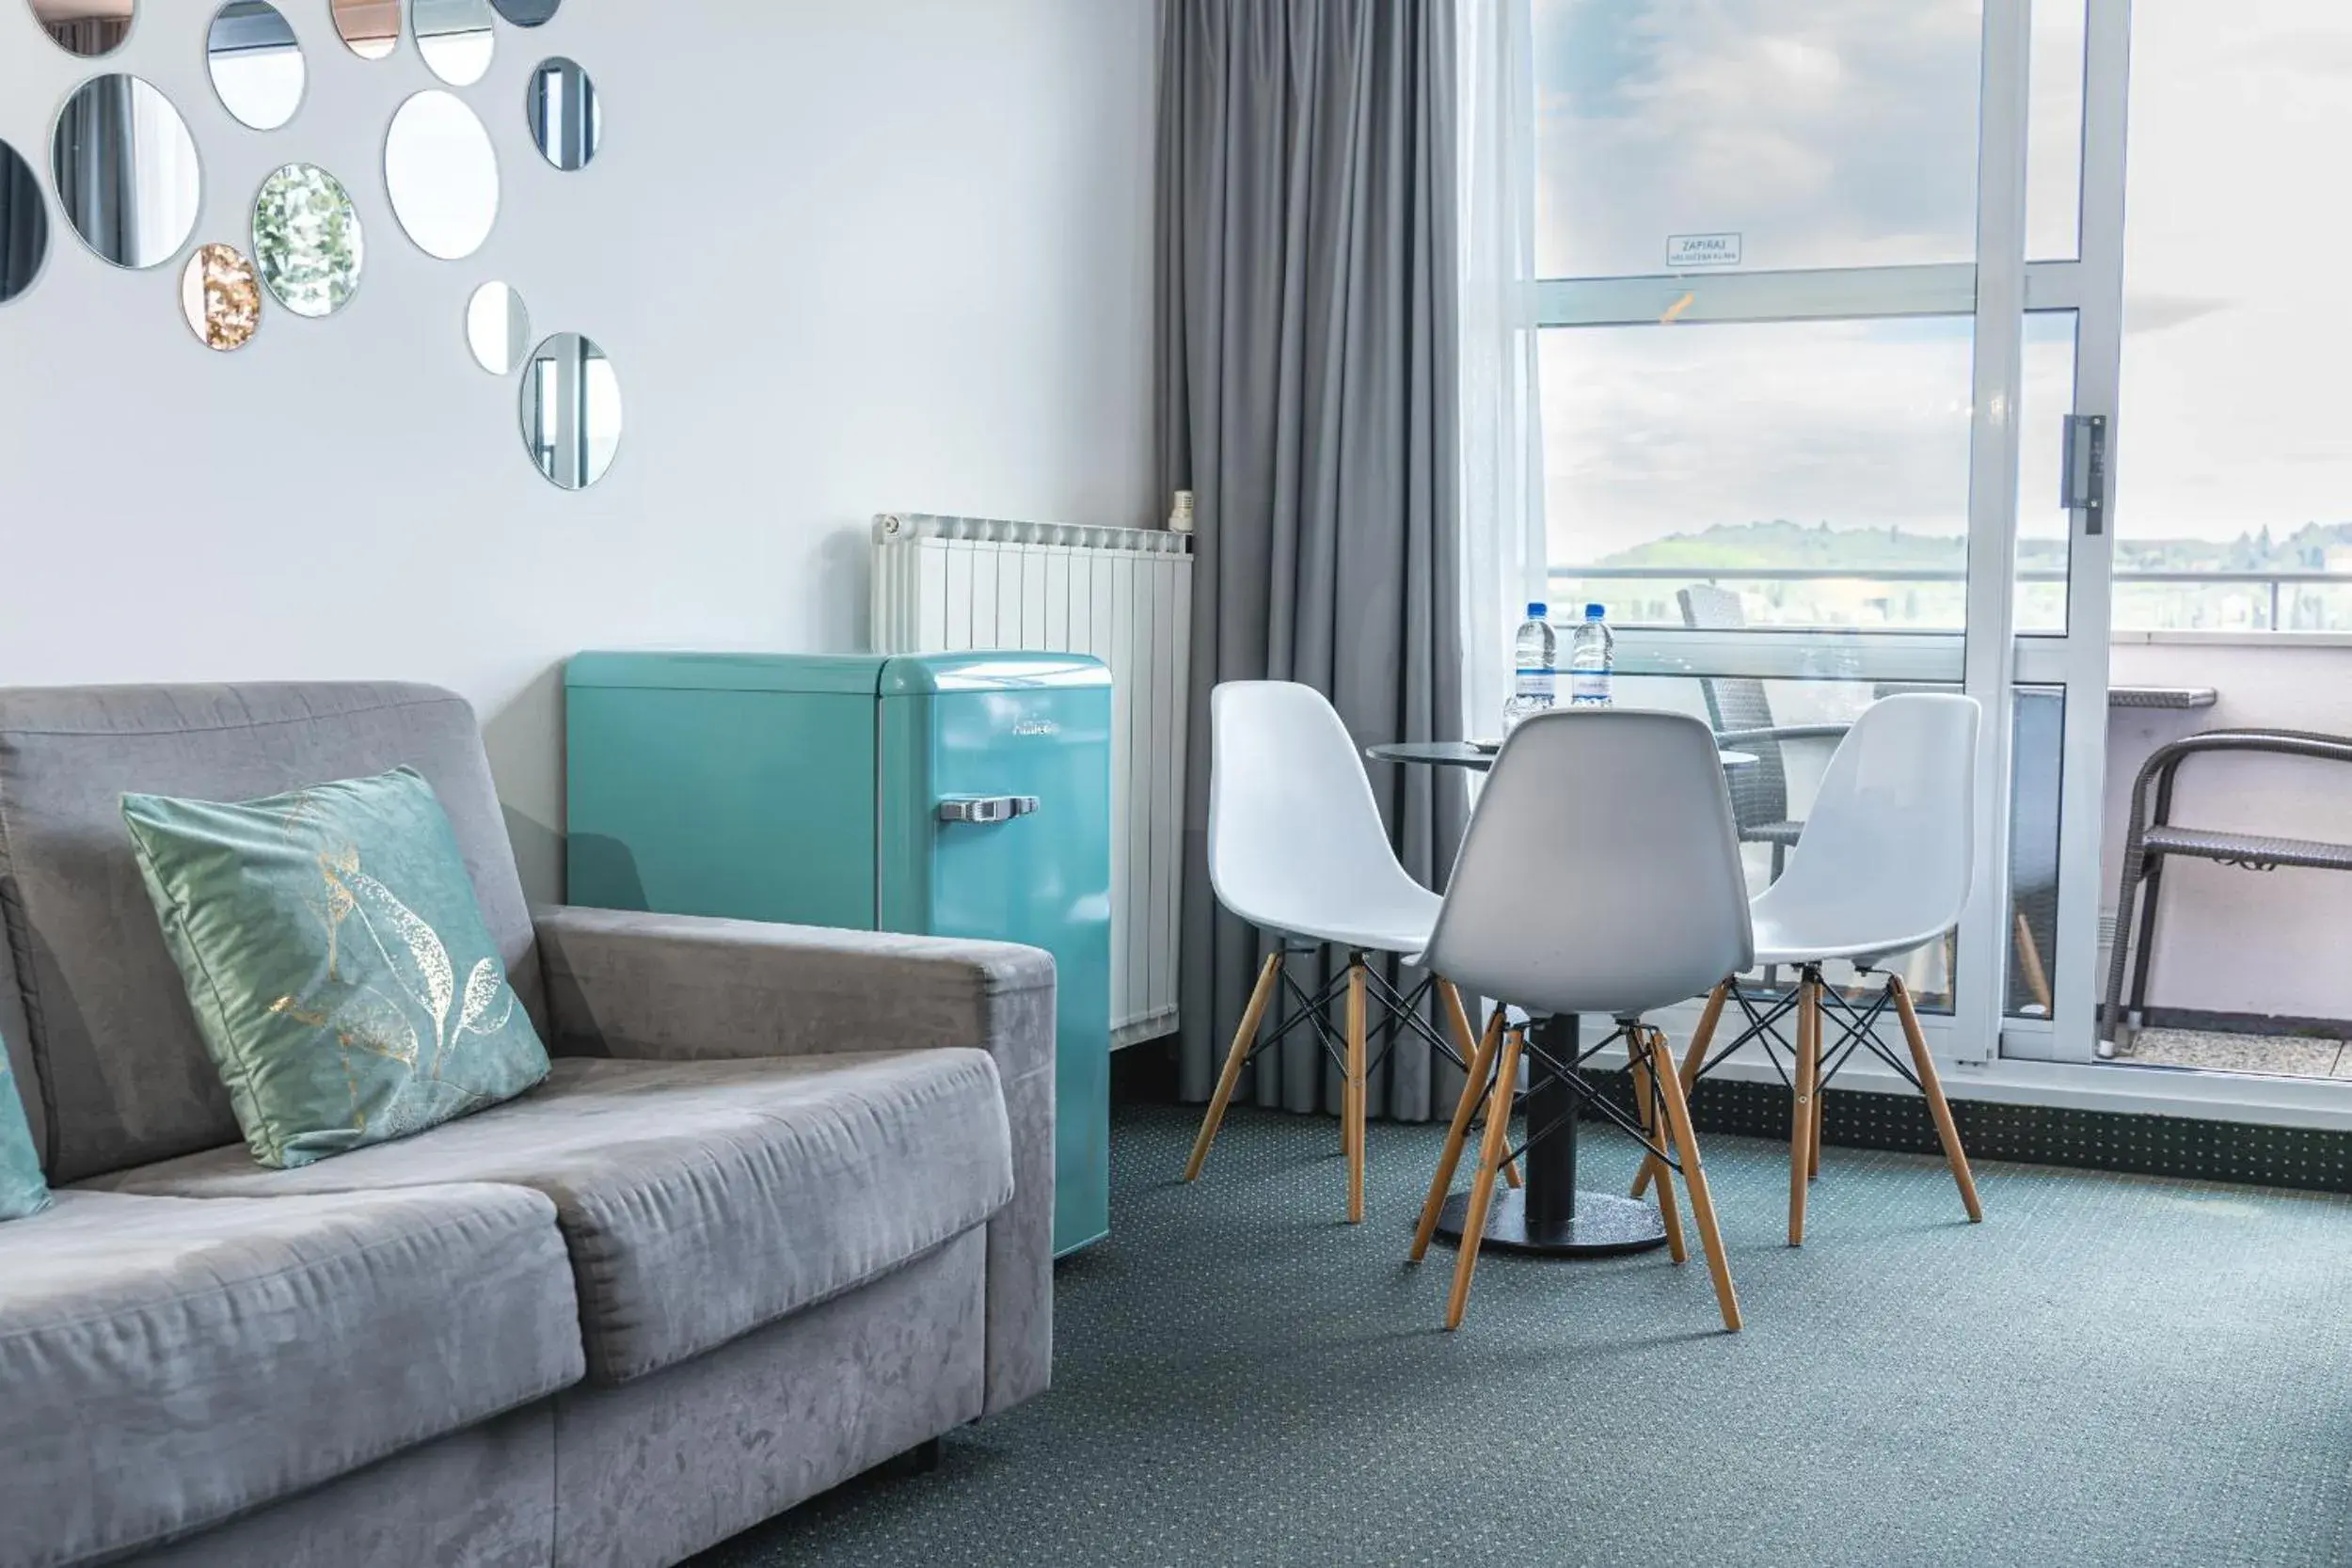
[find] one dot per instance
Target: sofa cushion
(168, 1364)
(702, 1199)
(336, 961)
(123, 1075)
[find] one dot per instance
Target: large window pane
(1818, 471)
(2234, 462)
(2054, 131)
(1822, 133)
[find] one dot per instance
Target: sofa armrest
(684, 988)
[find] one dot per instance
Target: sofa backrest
(119, 1072)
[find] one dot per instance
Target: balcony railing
(2271, 600)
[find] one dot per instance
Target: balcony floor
(2277, 1055)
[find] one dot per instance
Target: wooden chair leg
(1466, 1044)
(1490, 1152)
(1946, 1130)
(1693, 1059)
(1686, 1145)
(1820, 1115)
(1356, 1090)
(1482, 1060)
(1244, 1037)
(1800, 1116)
(1669, 1212)
(2030, 963)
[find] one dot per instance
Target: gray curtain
(1307, 383)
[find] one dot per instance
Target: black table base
(1603, 1226)
(1550, 1216)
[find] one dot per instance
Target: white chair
(1600, 874)
(1882, 867)
(1296, 849)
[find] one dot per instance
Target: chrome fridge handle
(986, 808)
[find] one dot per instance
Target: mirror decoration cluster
(442, 174)
(498, 328)
(455, 38)
(370, 28)
(125, 172)
(221, 298)
(307, 240)
(24, 225)
(566, 116)
(89, 28)
(571, 410)
(256, 63)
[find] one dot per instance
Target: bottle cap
(1595, 612)
(1537, 611)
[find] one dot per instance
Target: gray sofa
(782, 1210)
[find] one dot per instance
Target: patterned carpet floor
(2111, 1371)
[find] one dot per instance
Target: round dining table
(1549, 1214)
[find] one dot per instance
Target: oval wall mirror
(454, 36)
(566, 116)
(256, 63)
(86, 27)
(306, 241)
(370, 27)
(443, 175)
(24, 225)
(527, 13)
(498, 328)
(126, 171)
(221, 298)
(571, 409)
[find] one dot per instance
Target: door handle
(986, 808)
(2083, 474)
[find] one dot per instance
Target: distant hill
(1821, 548)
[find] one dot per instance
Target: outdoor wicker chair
(2154, 837)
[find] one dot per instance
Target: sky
(1838, 133)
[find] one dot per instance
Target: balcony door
(1821, 285)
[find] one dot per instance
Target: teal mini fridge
(964, 795)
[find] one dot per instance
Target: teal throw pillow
(22, 1190)
(338, 964)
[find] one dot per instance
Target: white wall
(847, 255)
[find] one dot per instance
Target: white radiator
(1123, 596)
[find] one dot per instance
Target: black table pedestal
(1549, 1215)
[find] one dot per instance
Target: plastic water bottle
(1535, 666)
(1591, 661)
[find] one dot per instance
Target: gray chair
(1742, 716)
(1599, 874)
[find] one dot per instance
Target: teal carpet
(2111, 1371)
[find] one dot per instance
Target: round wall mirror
(221, 298)
(255, 62)
(527, 13)
(126, 171)
(566, 116)
(306, 240)
(497, 328)
(370, 27)
(454, 36)
(24, 225)
(86, 27)
(571, 408)
(443, 175)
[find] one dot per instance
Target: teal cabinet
(953, 795)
